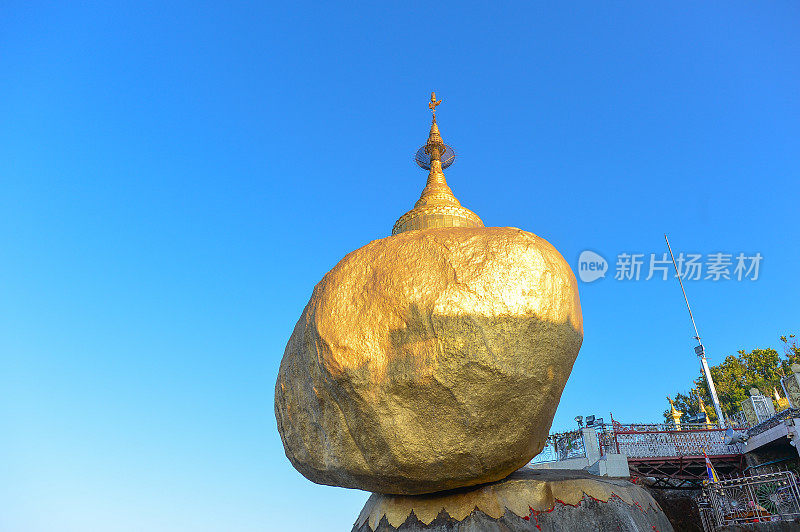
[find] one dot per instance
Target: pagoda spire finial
(433, 104)
(437, 206)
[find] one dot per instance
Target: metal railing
(662, 440)
(738, 421)
(642, 440)
(706, 509)
(750, 499)
(562, 446)
(774, 421)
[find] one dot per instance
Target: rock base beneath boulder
(527, 500)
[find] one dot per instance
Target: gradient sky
(176, 177)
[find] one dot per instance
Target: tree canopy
(734, 376)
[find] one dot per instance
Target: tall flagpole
(699, 350)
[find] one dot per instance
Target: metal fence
(706, 510)
(774, 421)
(662, 440)
(562, 446)
(738, 421)
(750, 499)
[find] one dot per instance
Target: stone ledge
(544, 500)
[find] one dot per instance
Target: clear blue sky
(177, 176)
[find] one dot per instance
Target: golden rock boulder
(429, 360)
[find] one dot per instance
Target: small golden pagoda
(676, 415)
(437, 206)
(782, 402)
(701, 406)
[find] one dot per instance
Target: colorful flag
(712, 475)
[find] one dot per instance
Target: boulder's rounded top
(519, 271)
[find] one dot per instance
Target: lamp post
(699, 350)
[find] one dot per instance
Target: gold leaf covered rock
(429, 360)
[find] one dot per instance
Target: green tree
(791, 349)
(734, 376)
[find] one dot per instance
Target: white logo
(591, 266)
